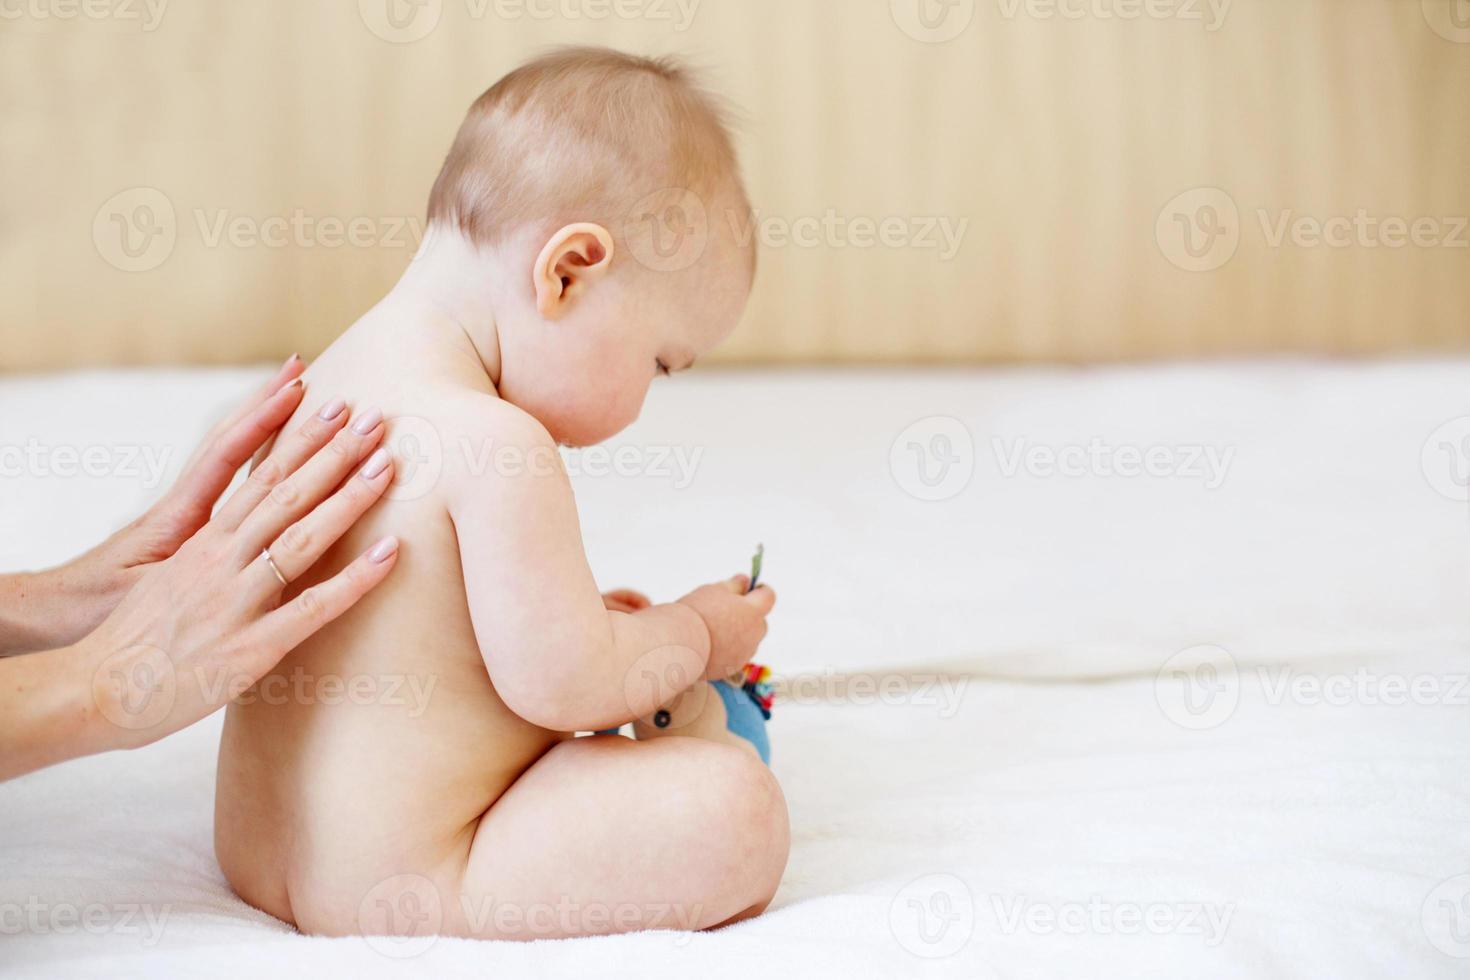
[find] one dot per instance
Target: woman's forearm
(48, 712)
(50, 609)
(27, 609)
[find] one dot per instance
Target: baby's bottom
(604, 834)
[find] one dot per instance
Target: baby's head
(600, 189)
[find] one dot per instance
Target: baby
(542, 304)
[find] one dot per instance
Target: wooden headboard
(937, 180)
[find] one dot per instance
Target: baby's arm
(557, 656)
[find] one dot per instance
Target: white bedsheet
(1024, 794)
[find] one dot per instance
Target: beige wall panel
(1053, 132)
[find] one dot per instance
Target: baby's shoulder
(477, 415)
(476, 438)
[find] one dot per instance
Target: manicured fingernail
(291, 360)
(331, 409)
(298, 383)
(383, 550)
(367, 421)
(377, 463)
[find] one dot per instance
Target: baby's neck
(444, 305)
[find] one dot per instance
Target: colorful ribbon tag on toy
(756, 682)
(755, 566)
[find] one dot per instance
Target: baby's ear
(575, 258)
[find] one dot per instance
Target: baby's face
(584, 376)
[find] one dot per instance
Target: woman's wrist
(49, 710)
(28, 607)
(53, 608)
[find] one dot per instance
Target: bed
(1125, 672)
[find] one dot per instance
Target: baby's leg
(610, 835)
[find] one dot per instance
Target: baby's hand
(736, 622)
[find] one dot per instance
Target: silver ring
(266, 554)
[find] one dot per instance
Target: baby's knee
(753, 813)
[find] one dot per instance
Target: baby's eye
(662, 367)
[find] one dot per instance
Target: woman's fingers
(289, 455)
(286, 627)
(194, 496)
(300, 492)
(285, 374)
(301, 544)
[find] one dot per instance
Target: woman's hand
(202, 625)
(66, 603)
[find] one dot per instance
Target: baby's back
(374, 747)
